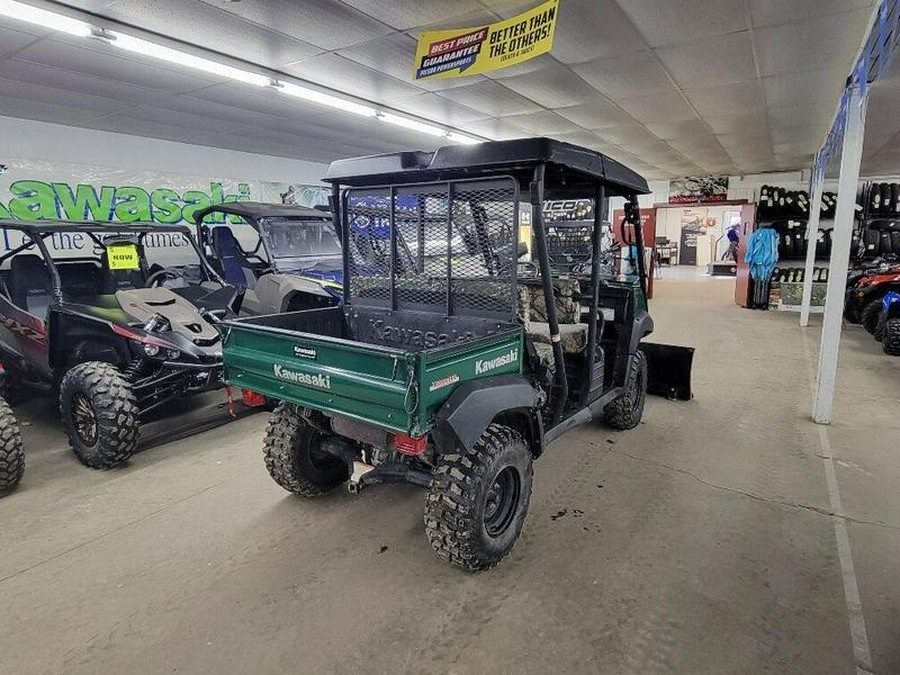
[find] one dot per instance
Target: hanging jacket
(762, 253)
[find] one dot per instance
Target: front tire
(869, 315)
(100, 413)
(478, 501)
(12, 453)
(294, 457)
(890, 341)
(626, 411)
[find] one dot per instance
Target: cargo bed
(390, 368)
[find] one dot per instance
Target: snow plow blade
(669, 370)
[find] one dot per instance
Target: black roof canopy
(570, 168)
(257, 210)
(95, 226)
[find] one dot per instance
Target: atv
(293, 261)
(12, 455)
(440, 368)
(89, 313)
(863, 302)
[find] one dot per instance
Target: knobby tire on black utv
(294, 457)
(626, 411)
(869, 315)
(477, 501)
(890, 341)
(100, 414)
(12, 453)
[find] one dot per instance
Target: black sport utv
(88, 310)
(294, 260)
(440, 369)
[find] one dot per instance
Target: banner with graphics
(34, 190)
(481, 49)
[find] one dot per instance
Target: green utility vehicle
(439, 369)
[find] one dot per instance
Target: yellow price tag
(123, 257)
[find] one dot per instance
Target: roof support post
(851, 157)
(812, 232)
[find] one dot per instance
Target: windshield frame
(294, 263)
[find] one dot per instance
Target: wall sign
(481, 49)
(699, 189)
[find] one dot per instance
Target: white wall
(25, 139)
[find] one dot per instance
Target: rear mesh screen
(447, 247)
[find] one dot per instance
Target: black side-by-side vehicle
(86, 312)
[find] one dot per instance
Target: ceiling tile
(594, 29)
(745, 97)
(266, 101)
(491, 98)
(210, 26)
(554, 86)
(800, 115)
(438, 108)
(327, 24)
(582, 138)
(813, 133)
(343, 75)
(478, 18)
(664, 106)
(809, 88)
(12, 41)
(775, 12)
(495, 129)
(628, 75)
(39, 94)
(544, 123)
(693, 64)
(818, 43)
(753, 123)
(743, 144)
(623, 134)
(665, 23)
(684, 129)
(99, 60)
(597, 114)
(405, 14)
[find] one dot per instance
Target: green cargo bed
(393, 369)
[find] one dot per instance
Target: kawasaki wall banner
(698, 190)
(481, 49)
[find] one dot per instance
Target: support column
(851, 157)
(812, 232)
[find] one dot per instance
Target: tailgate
(367, 382)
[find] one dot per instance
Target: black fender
(465, 416)
(643, 326)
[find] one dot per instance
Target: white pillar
(851, 156)
(812, 232)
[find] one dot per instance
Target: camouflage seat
(572, 336)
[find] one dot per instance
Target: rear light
(410, 445)
(251, 399)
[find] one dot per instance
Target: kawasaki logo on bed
(487, 365)
(481, 49)
(319, 381)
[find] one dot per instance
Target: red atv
(863, 302)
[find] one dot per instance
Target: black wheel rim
(84, 419)
(502, 500)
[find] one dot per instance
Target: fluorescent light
(43, 18)
(415, 125)
(180, 58)
(326, 99)
(456, 137)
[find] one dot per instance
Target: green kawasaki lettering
(34, 200)
(85, 204)
(132, 205)
(193, 201)
(166, 208)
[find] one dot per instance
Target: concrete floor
(698, 543)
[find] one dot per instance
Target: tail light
(410, 445)
(251, 399)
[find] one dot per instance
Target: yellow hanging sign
(123, 257)
(469, 51)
